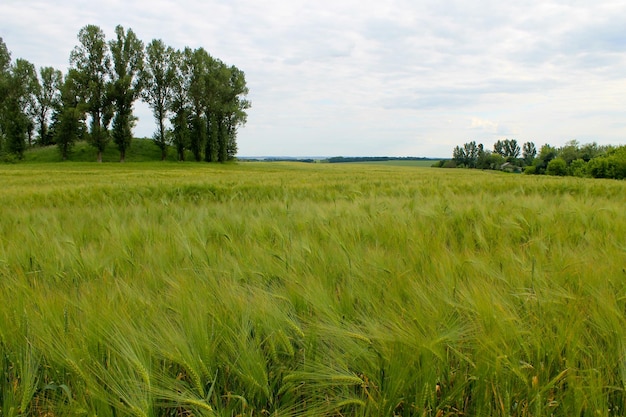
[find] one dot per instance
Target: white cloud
(482, 124)
(377, 77)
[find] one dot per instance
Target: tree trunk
(99, 156)
(123, 156)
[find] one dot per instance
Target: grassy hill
(141, 150)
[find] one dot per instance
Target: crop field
(286, 289)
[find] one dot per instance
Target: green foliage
(546, 154)
(489, 160)
(48, 97)
(530, 170)
(158, 78)
(248, 289)
(557, 166)
(126, 85)
(204, 99)
(578, 168)
(91, 65)
(468, 155)
(17, 88)
(68, 122)
(588, 160)
(508, 149)
(529, 152)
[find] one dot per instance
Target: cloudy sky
(384, 77)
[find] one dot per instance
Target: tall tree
(199, 63)
(226, 110)
(498, 148)
(570, 152)
(235, 112)
(511, 149)
(17, 105)
(5, 57)
(68, 118)
(471, 151)
(158, 76)
(5, 64)
(507, 148)
(127, 54)
(92, 64)
(529, 152)
(458, 155)
(546, 154)
(179, 105)
(47, 95)
(216, 80)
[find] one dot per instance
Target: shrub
(578, 168)
(530, 170)
(598, 167)
(557, 166)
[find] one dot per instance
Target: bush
(557, 166)
(578, 168)
(598, 167)
(530, 170)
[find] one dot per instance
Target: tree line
(198, 102)
(572, 159)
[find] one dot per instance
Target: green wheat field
(286, 289)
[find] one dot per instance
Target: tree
(471, 151)
(529, 152)
(5, 57)
(199, 63)
(546, 154)
(17, 105)
(498, 148)
(217, 84)
(158, 79)
(92, 64)
(235, 115)
(508, 149)
(458, 155)
(468, 155)
(126, 85)
(5, 64)
(47, 94)
(489, 160)
(179, 105)
(68, 119)
(570, 152)
(511, 149)
(590, 151)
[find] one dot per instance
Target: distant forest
(341, 159)
(572, 159)
(198, 102)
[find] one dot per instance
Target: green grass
(141, 150)
(161, 289)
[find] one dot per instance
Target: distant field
(412, 163)
(287, 289)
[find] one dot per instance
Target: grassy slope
(300, 289)
(141, 150)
